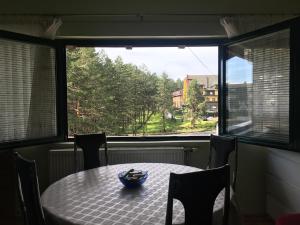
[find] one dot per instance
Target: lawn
(177, 125)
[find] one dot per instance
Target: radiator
(61, 161)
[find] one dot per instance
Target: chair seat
(289, 219)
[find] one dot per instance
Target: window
(28, 91)
(258, 88)
(142, 91)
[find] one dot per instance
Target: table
(97, 197)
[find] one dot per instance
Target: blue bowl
(130, 183)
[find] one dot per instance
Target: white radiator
(62, 160)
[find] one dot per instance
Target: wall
(282, 182)
(133, 24)
(139, 26)
(250, 189)
(8, 197)
(268, 179)
(38, 153)
(251, 179)
(94, 7)
(10, 212)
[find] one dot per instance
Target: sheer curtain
(27, 88)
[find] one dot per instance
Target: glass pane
(143, 91)
(257, 79)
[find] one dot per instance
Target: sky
(239, 71)
(174, 61)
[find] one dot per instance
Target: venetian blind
(258, 92)
(27, 91)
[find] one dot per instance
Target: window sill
(116, 144)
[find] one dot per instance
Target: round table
(97, 197)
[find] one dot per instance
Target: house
(177, 97)
(268, 181)
(211, 98)
(205, 81)
(209, 86)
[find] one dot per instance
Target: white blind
(27, 91)
(258, 80)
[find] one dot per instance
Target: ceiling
(144, 18)
(97, 7)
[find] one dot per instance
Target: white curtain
(240, 24)
(26, 71)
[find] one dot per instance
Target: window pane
(142, 91)
(257, 77)
(27, 91)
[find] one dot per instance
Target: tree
(165, 103)
(142, 93)
(185, 90)
(179, 84)
(82, 105)
(147, 97)
(195, 101)
(106, 95)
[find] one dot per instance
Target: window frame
(294, 109)
(11, 36)
(140, 42)
(61, 82)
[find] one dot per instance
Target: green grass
(176, 125)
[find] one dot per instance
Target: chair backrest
(29, 192)
(198, 191)
(220, 149)
(90, 144)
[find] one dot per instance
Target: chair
(28, 191)
(8, 187)
(198, 191)
(220, 149)
(90, 144)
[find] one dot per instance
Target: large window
(28, 91)
(131, 90)
(258, 88)
(142, 91)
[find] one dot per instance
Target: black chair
(90, 144)
(197, 192)
(220, 149)
(29, 193)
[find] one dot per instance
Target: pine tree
(195, 101)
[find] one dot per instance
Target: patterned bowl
(133, 178)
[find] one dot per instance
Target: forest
(120, 98)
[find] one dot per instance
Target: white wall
(251, 179)
(141, 26)
(282, 182)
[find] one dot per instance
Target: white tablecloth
(97, 197)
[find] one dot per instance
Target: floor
(258, 220)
